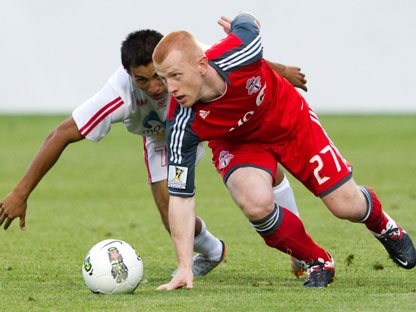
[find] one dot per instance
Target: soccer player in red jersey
(253, 118)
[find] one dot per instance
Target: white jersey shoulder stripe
(100, 115)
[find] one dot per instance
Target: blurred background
(358, 56)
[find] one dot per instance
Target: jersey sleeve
(245, 26)
(240, 48)
(109, 105)
(182, 153)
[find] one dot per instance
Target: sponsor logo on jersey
(204, 113)
(224, 159)
(243, 120)
(260, 96)
(253, 85)
(141, 102)
(247, 116)
(177, 176)
(152, 124)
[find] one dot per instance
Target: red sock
(291, 238)
(376, 221)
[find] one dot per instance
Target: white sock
(284, 197)
(207, 244)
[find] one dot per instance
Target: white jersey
(121, 101)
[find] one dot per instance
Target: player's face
(182, 79)
(146, 79)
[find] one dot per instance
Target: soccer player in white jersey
(136, 96)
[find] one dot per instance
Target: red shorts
(308, 154)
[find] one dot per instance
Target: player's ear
(203, 64)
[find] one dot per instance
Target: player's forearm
(182, 226)
(280, 68)
(48, 154)
(43, 161)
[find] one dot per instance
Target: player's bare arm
(14, 205)
(182, 223)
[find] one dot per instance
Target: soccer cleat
(298, 267)
(202, 265)
(399, 245)
(320, 273)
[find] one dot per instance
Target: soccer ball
(112, 267)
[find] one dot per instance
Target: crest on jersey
(253, 85)
(177, 176)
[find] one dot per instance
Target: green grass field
(98, 191)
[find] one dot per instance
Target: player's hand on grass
(181, 279)
(11, 207)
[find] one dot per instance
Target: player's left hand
(180, 280)
(225, 23)
(295, 76)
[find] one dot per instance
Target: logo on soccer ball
(87, 265)
(119, 270)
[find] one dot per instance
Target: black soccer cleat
(320, 273)
(399, 246)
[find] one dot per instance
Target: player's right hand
(11, 207)
(179, 280)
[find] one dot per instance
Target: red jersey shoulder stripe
(242, 57)
(100, 115)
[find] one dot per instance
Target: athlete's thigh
(251, 189)
(313, 158)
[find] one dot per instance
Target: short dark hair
(137, 48)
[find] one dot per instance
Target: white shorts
(155, 153)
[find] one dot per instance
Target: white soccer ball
(112, 266)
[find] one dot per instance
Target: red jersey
(259, 109)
